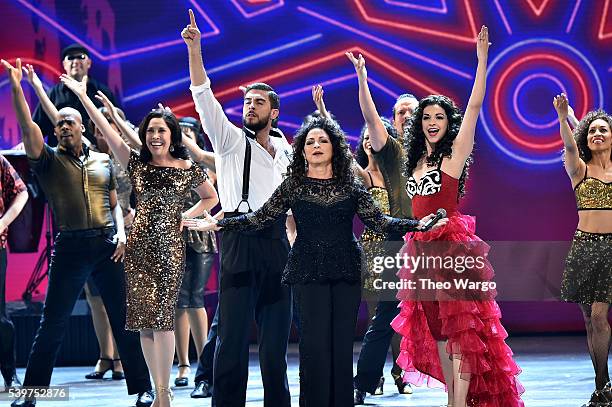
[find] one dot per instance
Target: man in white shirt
(251, 262)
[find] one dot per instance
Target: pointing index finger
(192, 20)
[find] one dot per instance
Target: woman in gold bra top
(587, 279)
(373, 179)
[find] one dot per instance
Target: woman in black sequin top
(324, 266)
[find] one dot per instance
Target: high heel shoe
(379, 388)
(402, 387)
(601, 398)
(117, 374)
(99, 375)
(181, 381)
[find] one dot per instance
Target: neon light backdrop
(518, 189)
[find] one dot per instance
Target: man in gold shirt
(81, 190)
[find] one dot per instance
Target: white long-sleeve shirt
(229, 145)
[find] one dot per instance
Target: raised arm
(33, 140)
(317, 98)
(199, 155)
(129, 134)
(46, 103)
(464, 143)
(574, 166)
(571, 117)
(378, 133)
(222, 133)
(120, 149)
(193, 38)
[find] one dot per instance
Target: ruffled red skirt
(470, 325)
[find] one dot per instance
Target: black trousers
(328, 314)
(250, 287)
(74, 259)
(207, 357)
(7, 330)
(375, 347)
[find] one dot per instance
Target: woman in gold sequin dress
(587, 279)
(161, 175)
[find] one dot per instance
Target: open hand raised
(482, 43)
(79, 88)
(33, 78)
(359, 64)
(561, 105)
(14, 72)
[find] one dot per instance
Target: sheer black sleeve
(374, 219)
(278, 205)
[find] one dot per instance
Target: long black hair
(582, 130)
(360, 155)
(342, 158)
(415, 137)
(177, 150)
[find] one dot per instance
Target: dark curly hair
(360, 155)
(581, 131)
(415, 137)
(176, 137)
(342, 159)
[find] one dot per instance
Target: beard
(258, 125)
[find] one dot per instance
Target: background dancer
(588, 271)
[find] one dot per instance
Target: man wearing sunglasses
(76, 63)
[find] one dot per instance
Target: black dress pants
(250, 287)
(328, 314)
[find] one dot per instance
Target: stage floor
(557, 372)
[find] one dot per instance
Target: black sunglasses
(75, 56)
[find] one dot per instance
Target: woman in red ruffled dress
(451, 336)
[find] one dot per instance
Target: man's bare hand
(15, 73)
(191, 34)
(33, 78)
(79, 88)
(359, 64)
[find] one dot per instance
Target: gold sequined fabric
(588, 269)
(593, 193)
(372, 240)
(155, 254)
(200, 242)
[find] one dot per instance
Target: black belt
(85, 233)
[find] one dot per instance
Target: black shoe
(145, 398)
(23, 403)
(359, 397)
(99, 375)
(402, 387)
(181, 381)
(598, 399)
(202, 390)
(379, 388)
(117, 374)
